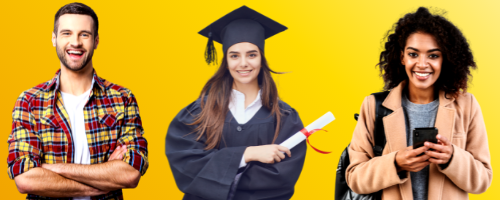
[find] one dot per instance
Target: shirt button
(238, 128)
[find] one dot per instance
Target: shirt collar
(54, 83)
(239, 96)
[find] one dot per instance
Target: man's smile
(75, 54)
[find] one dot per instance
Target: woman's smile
(244, 72)
(422, 75)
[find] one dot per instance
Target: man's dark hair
(76, 8)
(457, 56)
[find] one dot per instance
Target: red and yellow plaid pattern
(41, 130)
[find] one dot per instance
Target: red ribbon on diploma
(307, 134)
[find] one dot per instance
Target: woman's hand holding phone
(409, 159)
(442, 151)
(266, 153)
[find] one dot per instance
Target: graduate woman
(426, 66)
(224, 145)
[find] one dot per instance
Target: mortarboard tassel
(210, 52)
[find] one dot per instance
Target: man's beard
(61, 53)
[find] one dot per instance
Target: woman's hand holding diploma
(275, 153)
(266, 153)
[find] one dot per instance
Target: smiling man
(76, 136)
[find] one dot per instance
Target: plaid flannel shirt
(41, 130)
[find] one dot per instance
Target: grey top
(419, 116)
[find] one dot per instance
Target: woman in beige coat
(426, 66)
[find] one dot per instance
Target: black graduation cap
(240, 25)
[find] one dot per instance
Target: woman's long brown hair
(215, 98)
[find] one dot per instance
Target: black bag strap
(380, 112)
(342, 190)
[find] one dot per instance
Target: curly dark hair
(457, 56)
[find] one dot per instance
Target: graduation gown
(210, 174)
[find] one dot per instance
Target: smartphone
(422, 135)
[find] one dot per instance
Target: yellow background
(152, 48)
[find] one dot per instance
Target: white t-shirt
(74, 107)
(242, 114)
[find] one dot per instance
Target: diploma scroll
(304, 133)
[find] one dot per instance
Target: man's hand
(96, 192)
(51, 167)
(118, 153)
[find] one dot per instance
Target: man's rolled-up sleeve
(24, 143)
(131, 137)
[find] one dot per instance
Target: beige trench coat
(458, 119)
